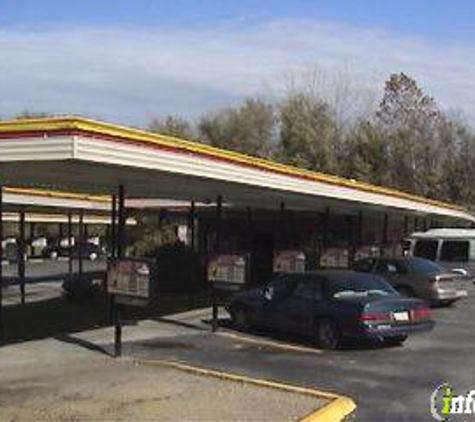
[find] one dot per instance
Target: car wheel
(395, 341)
(405, 291)
(327, 334)
(241, 319)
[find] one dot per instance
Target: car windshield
(351, 286)
(424, 266)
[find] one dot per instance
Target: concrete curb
(335, 410)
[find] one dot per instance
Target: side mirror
(460, 271)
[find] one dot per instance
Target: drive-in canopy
(82, 155)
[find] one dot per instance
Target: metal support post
(121, 240)
(70, 244)
(192, 226)
(113, 229)
(282, 229)
(81, 243)
(2, 326)
(385, 234)
(21, 256)
(219, 216)
(121, 235)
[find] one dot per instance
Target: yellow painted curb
(335, 410)
(270, 343)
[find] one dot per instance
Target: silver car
(417, 277)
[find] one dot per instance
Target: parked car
(417, 277)
(331, 306)
(84, 250)
(452, 248)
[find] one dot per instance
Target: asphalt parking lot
(388, 384)
(45, 270)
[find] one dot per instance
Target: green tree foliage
(411, 123)
(308, 133)
(407, 143)
(365, 156)
(247, 128)
(150, 233)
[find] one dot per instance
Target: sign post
(129, 281)
(227, 273)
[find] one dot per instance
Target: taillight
(375, 316)
(421, 313)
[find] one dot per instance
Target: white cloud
(130, 74)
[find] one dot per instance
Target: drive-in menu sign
(289, 262)
(129, 278)
(227, 269)
(335, 258)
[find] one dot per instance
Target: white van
(454, 249)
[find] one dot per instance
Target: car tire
(405, 291)
(395, 341)
(327, 334)
(241, 319)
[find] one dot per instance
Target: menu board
(290, 261)
(227, 269)
(367, 252)
(335, 258)
(129, 278)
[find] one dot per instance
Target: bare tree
(172, 126)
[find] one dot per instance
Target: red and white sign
(289, 262)
(335, 258)
(129, 278)
(227, 269)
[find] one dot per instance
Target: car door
(275, 295)
(296, 314)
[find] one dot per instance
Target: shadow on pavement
(56, 317)
(297, 340)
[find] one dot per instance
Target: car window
(308, 290)
(454, 251)
(424, 266)
(390, 267)
(426, 249)
(280, 287)
(351, 286)
(364, 265)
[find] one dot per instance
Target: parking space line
(276, 344)
(337, 408)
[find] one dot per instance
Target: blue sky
(129, 61)
(437, 18)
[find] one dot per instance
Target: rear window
(350, 286)
(454, 251)
(424, 266)
(426, 249)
